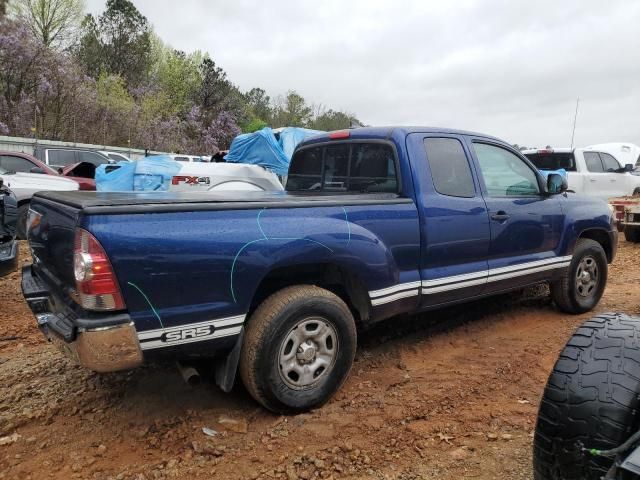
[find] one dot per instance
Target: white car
(24, 185)
(224, 176)
(591, 171)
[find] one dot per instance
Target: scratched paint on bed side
(157, 315)
(265, 237)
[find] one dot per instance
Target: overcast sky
(510, 69)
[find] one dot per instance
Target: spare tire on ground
(591, 400)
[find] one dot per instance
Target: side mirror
(60, 170)
(556, 184)
(36, 170)
(629, 167)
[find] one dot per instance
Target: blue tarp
(115, 178)
(562, 172)
(147, 174)
(262, 148)
(290, 137)
(155, 173)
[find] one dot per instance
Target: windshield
(2, 170)
(553, 160)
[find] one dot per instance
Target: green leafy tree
(291, 111)
(333, 120)
(178, 77)
(259, 104)
(54, 22)
(254, 125)
(89, 50)
(120, 39)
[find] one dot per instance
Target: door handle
(500, 216)
(592, 179)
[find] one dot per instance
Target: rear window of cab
(344, 167)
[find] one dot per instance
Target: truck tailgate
(51, 237)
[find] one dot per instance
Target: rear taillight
(96, 283)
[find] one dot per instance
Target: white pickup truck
(591, 170)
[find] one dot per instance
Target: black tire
(591, 400)
(632, 234)
(21, 225)
(565, 293)
(265, 341)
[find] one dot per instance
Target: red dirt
(448, 395)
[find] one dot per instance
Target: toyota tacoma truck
(373, 223)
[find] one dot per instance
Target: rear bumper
(8, 257)
(106, 343)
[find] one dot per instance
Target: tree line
(109, 79)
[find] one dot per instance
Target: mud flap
(226, 367)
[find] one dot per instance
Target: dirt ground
(447, 395)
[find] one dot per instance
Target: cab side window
(594, 164)
(610, 163)
(504, 173)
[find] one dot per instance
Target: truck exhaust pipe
(189, 374)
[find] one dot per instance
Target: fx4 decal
(190, 180)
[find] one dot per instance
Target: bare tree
(54, 22)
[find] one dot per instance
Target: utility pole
(575, 118)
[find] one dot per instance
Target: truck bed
(97, 203)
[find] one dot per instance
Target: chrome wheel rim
(308, 352)
(587, 276)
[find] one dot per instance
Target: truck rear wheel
(632, 234)
(591, 400)
(298, 349)
(582, 284)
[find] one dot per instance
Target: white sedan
(24, 185)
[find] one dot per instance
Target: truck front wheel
(298, 349)
(582, 284)
(632, 234)
(591, 401)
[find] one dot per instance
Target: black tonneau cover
(146, 202)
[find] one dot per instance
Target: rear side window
(553, 161)
(62, 158)
(305, 172)
(610, 163)
(344, 167)
(449, 166)
(594, 164)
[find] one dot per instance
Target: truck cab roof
(369, 133)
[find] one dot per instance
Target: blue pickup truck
(374, 222)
